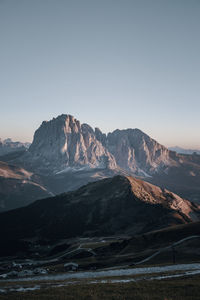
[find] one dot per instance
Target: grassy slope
(178, 289)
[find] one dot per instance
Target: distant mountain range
(7, 146)
(184, 151)
(66, 154)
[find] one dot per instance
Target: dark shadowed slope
(116, 205)
(18, 187)
(183, 179)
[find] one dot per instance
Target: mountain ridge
(66, 154)
(8, 146)
(110, 206)
(64, 142)
(184, 151)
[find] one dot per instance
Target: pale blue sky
(110, 63)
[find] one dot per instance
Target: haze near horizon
(111, 64)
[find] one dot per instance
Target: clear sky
(110, 63)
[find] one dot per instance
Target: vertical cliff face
(137, 152)
(64, 143)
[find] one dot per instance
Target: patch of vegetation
(169, 289)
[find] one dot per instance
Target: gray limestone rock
(63, 144)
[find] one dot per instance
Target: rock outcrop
(63, 144)
(136, 152)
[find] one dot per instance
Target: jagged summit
(63, 143)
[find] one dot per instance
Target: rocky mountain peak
(136, 152)
(64, 143)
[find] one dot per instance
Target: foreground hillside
(118, 269)
(118, 205)
(164, 289)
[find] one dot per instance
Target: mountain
(118, 205)
(66, 154)
(63, 144)
(18, 187)
(8, 146)
(184, 151)
(183, 178)
(137, 153)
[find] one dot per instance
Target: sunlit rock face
(137, 152)
(63, 144)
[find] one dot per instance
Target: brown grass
(173, 289)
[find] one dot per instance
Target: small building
(71, 266)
